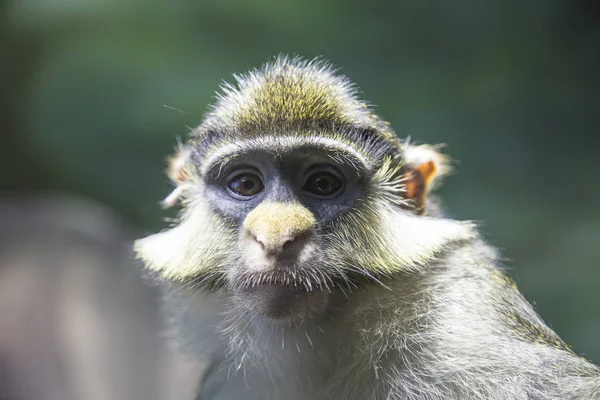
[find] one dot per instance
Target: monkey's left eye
(323, 183)
(245, 184)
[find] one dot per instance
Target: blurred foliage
(94, 93)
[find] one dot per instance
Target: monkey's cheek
(282, 302)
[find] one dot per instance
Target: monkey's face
(283, 207)
(292, 190)
(281, 222)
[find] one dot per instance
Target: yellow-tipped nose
(274, 224)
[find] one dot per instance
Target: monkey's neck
(363, 333)
(320, 354)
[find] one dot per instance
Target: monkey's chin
(282, 302)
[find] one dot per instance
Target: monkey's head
(292, 189)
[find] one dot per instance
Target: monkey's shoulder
(465, 323)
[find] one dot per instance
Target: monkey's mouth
(282, 293)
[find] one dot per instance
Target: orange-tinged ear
(425, 167)
(181, 174)
(428, 171)
(176, 169)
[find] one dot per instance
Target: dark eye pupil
(246, 185)
(323, 184)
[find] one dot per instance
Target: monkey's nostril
(287, 243)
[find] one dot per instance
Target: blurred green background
(94, 94)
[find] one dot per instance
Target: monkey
(312, 260)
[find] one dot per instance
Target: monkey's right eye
(245, 184)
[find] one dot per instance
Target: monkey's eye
(323, 184)
(245, 184)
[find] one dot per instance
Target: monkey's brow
(340, 151)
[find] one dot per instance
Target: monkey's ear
(180, 173)
(425, 167)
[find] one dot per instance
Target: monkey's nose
(283, 245)
(280, 228)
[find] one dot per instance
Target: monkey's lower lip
(281, 301)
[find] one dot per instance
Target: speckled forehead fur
(294, 97)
